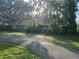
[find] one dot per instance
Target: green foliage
(70, 16)
(53, 27)
(32, 27)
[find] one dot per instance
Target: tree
(32, 26)
(67, 8)
(12, 11)
(70, 16)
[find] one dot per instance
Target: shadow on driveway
(40, 50)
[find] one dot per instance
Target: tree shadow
(8, 41)
(40, 50)
(12, 38)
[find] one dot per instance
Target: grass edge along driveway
(71, 41)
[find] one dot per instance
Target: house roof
(38, 20)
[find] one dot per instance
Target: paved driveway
(45, 49)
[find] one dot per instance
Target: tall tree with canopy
(13, 10)
(70, 15)
(68, 10)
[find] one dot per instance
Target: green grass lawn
(12, 33)
(13, 51)
(71, 41)
(78, 30)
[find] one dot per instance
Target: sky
(77, 14)
(26, 0)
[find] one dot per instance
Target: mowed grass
(77, 29)
(71, 41)
(12, 33)
(13, 51)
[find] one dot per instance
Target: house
(22, 25)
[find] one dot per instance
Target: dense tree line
(71, 15)
(53, 12)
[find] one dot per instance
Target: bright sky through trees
(26, 0)
(77, 19)
(77, 13)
